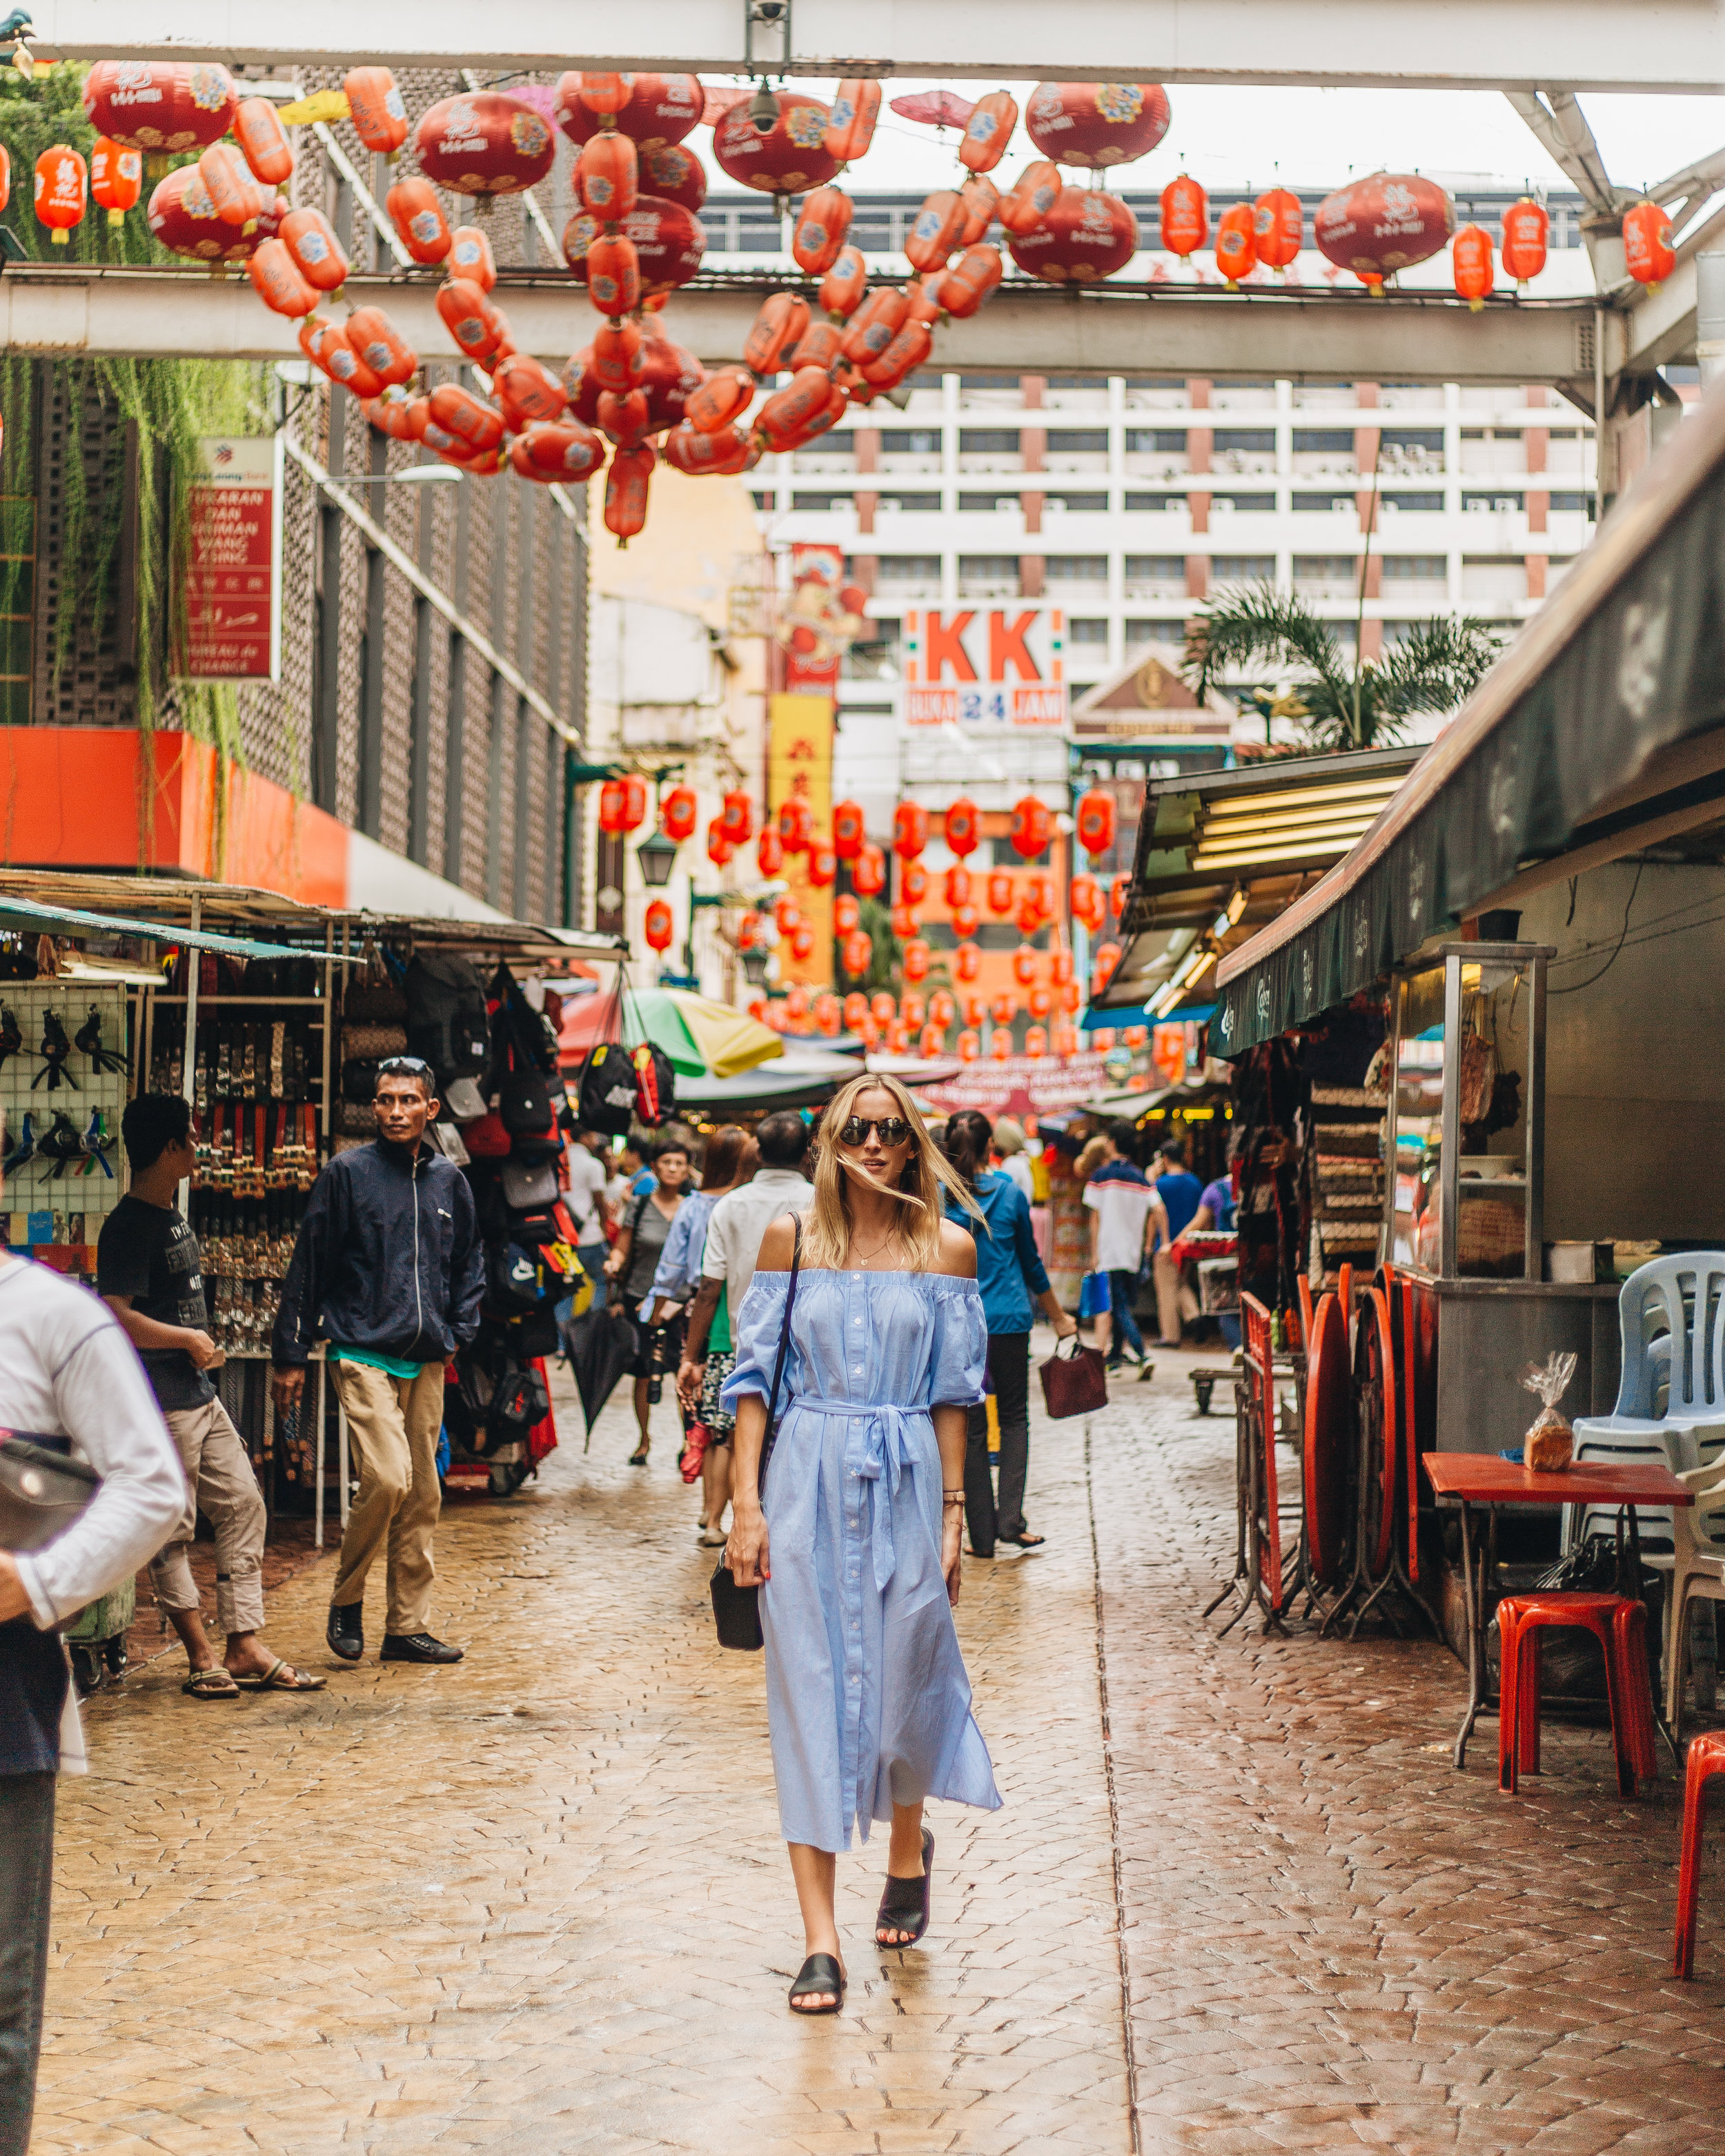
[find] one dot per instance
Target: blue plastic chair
(1670, 1399)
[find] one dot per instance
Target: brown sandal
(282, 1677)
(210, 1684)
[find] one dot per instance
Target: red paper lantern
(982, 202)
(987, 131)
(656, 109)
(1086, 235)
(737, 818)
(1646, 244)
(1237, 248)
(278, 284)
(160, 105)
(931, 1041)
(1097, 124)
(1087, 902)
(378, 341)
(1383, 223)
(937, 230)
(549, 452)
(848, 830)
(822, 227)
(823, 865)
(1023, 965)
(484, 142)
(956, 886)
(1059, 968)
(802, 941)
(478, 425)
(916, 960)
(1000, 1044)
(1065, 1040)
(1035, 1040)
(61, 184)
(912, 883)
(796, 1001)
(942, 1009)
(1025, 205)
(181, 216)
(905, 922)
(1136, 1036)
(1032, 826)
(790, 158)
(634, 801)
(970, 280)
(1185, 216)
(678, 812)
(963, 824)
(868, 873)
(913, 1009)
(263, 141)
(1102, 1039)
(855, 110)
(310, 237)
(1002, 894)
(669, 241)
(324, 343)
(796, 824)
(967, 963)
(910, 830)
(1096, 820)
(719, 848)
(673, 175)
(657, 925)
(1278, 227)
(1116, 895)
(419, 219)
(1027, 916)
(376, 108)
(856, 1008)
(1471, 253)
(883, 1007)
(470, 256)
(116, 177)
(1004, 1008)
(769, 851)
(969, 1046)
(1525, 230)
(847, 913)
(611, 806)
(966, 920)
(1107, 959)
(786, 912)
(1041, 1001)
(626, 485)
(826, 1013)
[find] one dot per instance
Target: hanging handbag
(41, 1492)
(1074, 1384)
(737, 1610)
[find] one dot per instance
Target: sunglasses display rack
(64, 1060)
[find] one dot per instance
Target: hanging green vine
(169, 404)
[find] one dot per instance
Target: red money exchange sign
(233, 630)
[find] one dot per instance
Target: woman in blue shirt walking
(1008, 1273)
(858, 1548)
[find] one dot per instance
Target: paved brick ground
(538, 1903)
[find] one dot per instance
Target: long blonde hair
(927, 1176)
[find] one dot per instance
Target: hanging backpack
(656, 1084)
(447, 1023)
(607, 1091)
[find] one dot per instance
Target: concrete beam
(172, 313)
(1663, 45)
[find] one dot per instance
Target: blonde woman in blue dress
(857, 1549)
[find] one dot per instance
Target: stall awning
(18, 913)
(1588, 740)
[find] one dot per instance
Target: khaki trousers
(393, 1426)
(219, 1478)
(1174, 1299)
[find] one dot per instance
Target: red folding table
(1469, 1479)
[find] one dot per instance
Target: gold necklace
(863, 1257)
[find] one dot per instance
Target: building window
(1324, 568)
(1078, 441)
(926, 505)
(1491, 501)
(911, 569)
(1422, 504)
(1574, 503)
(912, 441)
(1156, 501)
(1087, 632)
(1154, 441)
(1137, 632)
(1259, 502)
(1321, 505)
(1425, 568)
(988, 575)
(1077, 568)
(987, 504)
(765, 500)
(874, 655)
(1255, 439)
(819, 500)
(984, 441)
(1078, 504)
(1429, 439)
(1243, 569)
(1156, 569)
(1331, 441)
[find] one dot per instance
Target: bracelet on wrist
(951, 1496)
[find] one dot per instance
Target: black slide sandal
(820, 1974)
(907, 1903)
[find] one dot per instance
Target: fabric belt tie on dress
(886, 1450)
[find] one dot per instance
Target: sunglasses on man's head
(407, 1066)
(854, 1131)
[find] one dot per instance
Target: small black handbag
(737, 1610)
(41, 1492)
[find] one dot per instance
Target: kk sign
(985, 666)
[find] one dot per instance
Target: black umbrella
(600, 1345)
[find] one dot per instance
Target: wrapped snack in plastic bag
(1550, 1443)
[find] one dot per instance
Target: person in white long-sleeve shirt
(69, 1381)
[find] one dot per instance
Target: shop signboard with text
(232, 562)
(992, 665)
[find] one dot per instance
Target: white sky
(1315, 138)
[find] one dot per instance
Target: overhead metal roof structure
(1665, 45)
(1600, 733)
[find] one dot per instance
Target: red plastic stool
(1619, 1626)
(1707, 1758)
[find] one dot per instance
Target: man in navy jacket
(389, 1269)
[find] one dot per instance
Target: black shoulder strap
(784, 1341)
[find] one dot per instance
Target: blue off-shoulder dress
(867, 1699)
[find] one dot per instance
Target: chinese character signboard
(811, 651)
(232, 567)
(800, 760)
(985, 666)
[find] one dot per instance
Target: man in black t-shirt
(148, 1272)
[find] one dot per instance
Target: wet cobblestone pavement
(536, 1902)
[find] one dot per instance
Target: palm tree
(1363, 705)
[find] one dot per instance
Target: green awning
(24, 914)
(1568, 742)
